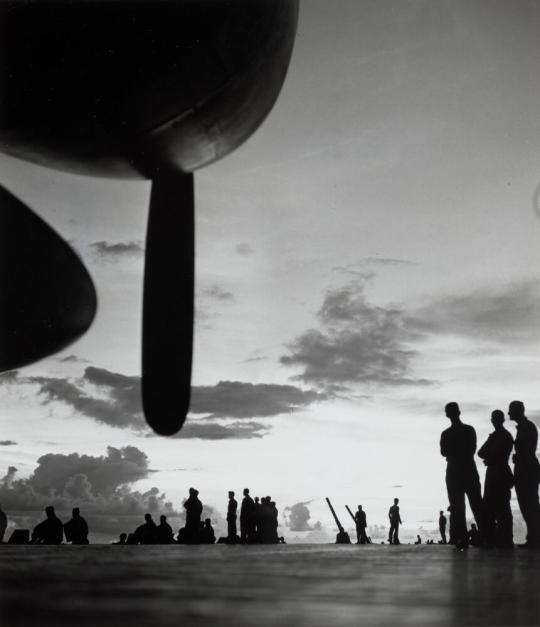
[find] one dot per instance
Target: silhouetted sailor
(147, 532)
(498, 484)
(395, 522)
(442, 527)
(257, 520)
(50, 531)
(164, 532)
(274, 522)
(209, 537)
(122, 539)
(418, 540)
(193, 509)
(247, 518)
(526, 472)
(76, 529)
(361, 524)
(3, 524)
(458, 445)
(231, 518)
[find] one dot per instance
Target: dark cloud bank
(226, 410)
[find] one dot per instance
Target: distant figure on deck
(418, 540)
(164, 532)
(526, 472)
(208, 535)
(76, 529)
(231, 518)
(395, 522)
(474, 536)
(193, 508)
(361, 525)
(256, 520)
(498, 484)
(3, 524)
(147, 532)
(122, 539)
(247, 518)
(50, 531)
(458, 445)
(442, 526)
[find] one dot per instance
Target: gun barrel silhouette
(352, 515)
(334, 515)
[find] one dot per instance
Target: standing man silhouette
(231, 518)
(458, 445)
(442, 527)
(395, 522)
(498, 484)
(361, 524)
(247, 518)
(526, 472)
(3, 524)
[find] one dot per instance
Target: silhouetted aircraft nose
(141, 88)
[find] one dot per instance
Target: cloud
(236, 399)
(108, 251)
(100, 486)
(298, 516)
(357, 342)
(359, 269)
(9, 377)
(238, 430)
(72, 359)
(8, 443)
(244, 249)
(504, 315)
(218, 293)
(114, 399)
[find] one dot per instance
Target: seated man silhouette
(147, 532)
(49, 531)
(208, 534)
(458, 445)
(122, 539)
(418, 540)
(164, 532)
(76, 529)
(395, 522)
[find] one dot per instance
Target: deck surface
(298, 585)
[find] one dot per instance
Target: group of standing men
(258, 520)
(492, 512)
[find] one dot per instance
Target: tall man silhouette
(526, 472)
(231, 518)
(395, 522)
(247, 518)
(458, 445)
(361, 524)
(498, 484)
(442, 527)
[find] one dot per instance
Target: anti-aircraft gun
(342, 536)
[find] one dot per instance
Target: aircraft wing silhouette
(151, 89)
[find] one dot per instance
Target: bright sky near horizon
(370, 254)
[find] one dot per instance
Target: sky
(368, 255)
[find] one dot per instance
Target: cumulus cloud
(244, 249)
(108, 251)
(357, 342)
(226, 408)
(71, 359)
(298, 516)
(100, 486)
(505, 315)
(7, 443)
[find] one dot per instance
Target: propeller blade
(168, 303)
(47, 298)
